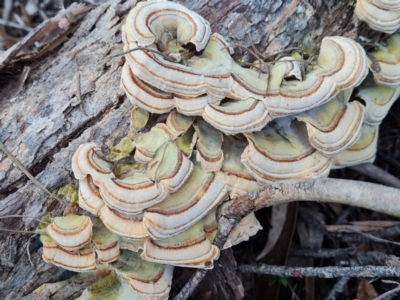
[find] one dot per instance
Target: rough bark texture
(43, 125)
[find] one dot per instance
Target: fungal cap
(148, 143)
(209, 152)
(187, 141)
(379, 99)
(342, 64)
(178, 123)
(333, 126)
(378, 15)
(206, 74)
(86, 161)
(201, 192)
(132, 194)
(246, 228)
(283, 152)
(129, 226)
(148, 279)
(170, 167)
(72, 232)
(147, 22)
(363, 151)
(388, 60)
(110, 287)
(89, 195)
(236, 177)
(139, 119)
(105, 242)
(190, 249)
(233, 117)
(78, 261)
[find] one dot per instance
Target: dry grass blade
(30, 176)
(22, 216)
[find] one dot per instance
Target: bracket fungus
(71, 232)
(363, 150)
(230, 129)
(81, 260)
(201, 192)
(148, 21)
(209, 144)
(334, 126)
(149, 280)
(190, 248)
(105, 242)
(283, 152)
(388, 60)
(380, 15)
(196, 85)
(378, 100)
(341, 64)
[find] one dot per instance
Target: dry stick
(22, 216)
(280, 61)
(145, 49)
(362, 194)
(260, 61)
(30, 176)
(254, 47)
(78, 92)
(389, 294)
(323, 272)
(379, 236)
(27, 251)
(281, 51)
(325, 253)
(191, 285)
(15, 25)
(17, 231)
(338, 288)
(377, 174)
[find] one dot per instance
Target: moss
(127, 168)
(122, 149)
(69, 192)
(106, 286)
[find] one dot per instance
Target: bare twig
(15, 25)
(22, 216)
(254, 47)
(380, 236)
(166, 57)
(338, 288)
(260, 62)
(30, 176)
(389, 294)
(281, 51)
(377, 174)
(325, 253)
(27, 251)
(189, 287)
(17, 231)
(78, 92)
(323, 272)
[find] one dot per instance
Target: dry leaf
(366, 291)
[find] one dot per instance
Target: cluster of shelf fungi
(151, 203)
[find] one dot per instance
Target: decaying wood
(43, 125)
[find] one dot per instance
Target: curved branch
(355, 193)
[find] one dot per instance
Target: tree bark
(43, 124)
